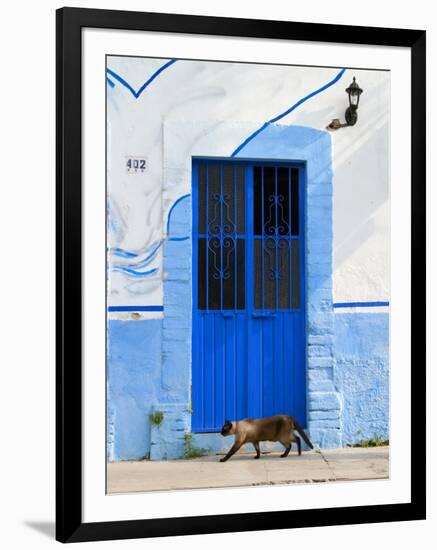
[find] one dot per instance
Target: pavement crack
(328, 464)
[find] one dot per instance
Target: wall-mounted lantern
(351, 115)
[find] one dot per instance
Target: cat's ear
(228, 422)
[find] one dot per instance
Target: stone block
(322, 386)
(321, 323)
(324, 415)
(179, 274)
(319, 362)
(177, 293)
(170, 345)
(320, 373)
(171, 322)
(325, 424)
(179, 250)
(325, 438)
(323, 401)
(325, 339)
(320, 350)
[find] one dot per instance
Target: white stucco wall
(221, 104)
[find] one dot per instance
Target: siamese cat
(274, 428)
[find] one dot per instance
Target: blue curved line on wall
(180, 199)
(134, 273)
(131, 269)
(109, 81)
(126, 84)
(122, 253)
(146, 261)
(288, 111)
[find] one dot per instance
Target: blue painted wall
(134, 381)
(136, 387)
(149, 361)
(362, 374)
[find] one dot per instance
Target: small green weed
(156, 418)
(374, 441)
(190, 450)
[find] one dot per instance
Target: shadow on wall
(360, 166)
(355, 220)
(361, 180)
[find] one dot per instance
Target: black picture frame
(69, 24)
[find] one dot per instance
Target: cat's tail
(304, 436)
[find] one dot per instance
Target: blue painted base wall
(361, 374)
(134, 382)
(136, 388)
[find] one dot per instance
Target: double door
(248, 337)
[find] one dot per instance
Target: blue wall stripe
(361, 304)
(288, 111)
(144, 86)
(161, 308)
(135, 308)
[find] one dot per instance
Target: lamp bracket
(351, 116)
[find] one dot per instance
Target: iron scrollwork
(275, 259)
(221, 224)
(222, 249)
(276, 206)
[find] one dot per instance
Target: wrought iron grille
(221, 237)
(248, 219)
(276, 238)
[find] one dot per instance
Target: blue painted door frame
(248, 345)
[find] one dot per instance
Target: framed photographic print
(241, 274)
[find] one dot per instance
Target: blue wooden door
(248, 338)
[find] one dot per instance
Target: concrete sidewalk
(242, 470)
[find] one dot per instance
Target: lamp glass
(354, 98)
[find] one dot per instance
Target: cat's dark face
(227, 427)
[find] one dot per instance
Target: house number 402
(135, 164)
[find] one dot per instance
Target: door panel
(248, 323)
